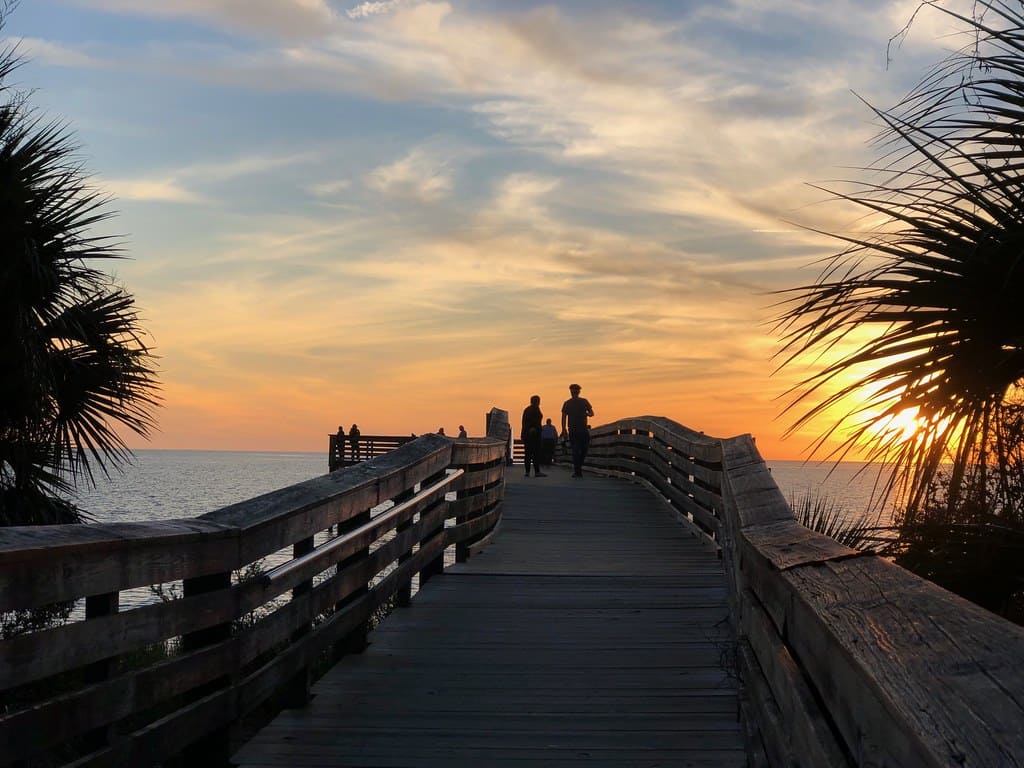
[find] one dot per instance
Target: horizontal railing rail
(253, 599)
(682, 466)
(846, 659)
(343, 451)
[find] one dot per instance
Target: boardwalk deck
(591, 632)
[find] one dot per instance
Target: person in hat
(575, 411)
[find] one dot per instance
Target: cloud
(48, 52)
(365, 10)
(290, 19)
(594, 191)
(179, 185)
(330, 188)
(151, 190)
(420, 176)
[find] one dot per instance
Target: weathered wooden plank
(806, 737)
(908, 671)
(786, 543)
(48, 564)
(754, 497)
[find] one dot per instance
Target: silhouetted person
(339, 443)
(548, 440)
(440, 431)
(462, 431)
(353, 440)
(575, 411)
(532, 418)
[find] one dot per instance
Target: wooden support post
(435, 566)
(295, 693)
(462, 547)
(212, 748)
(403, 595)
(96, 606)
(354, 641)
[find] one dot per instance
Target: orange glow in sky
(401, 214)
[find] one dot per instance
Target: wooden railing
(264, 592)
(845, 658)
(342, 451)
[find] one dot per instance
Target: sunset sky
(401, 213)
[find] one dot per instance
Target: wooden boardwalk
(592, 631)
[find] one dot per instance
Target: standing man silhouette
(575, 411)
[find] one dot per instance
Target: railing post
(462, 547)
(213, 748)
(403, 595)
(96, 606)
(354, 641)
(295, 692)
(435, 566)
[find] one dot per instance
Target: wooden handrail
(680, 465)
(356, 538)
(133, 687)
(846, 658)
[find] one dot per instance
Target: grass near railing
(827, 516)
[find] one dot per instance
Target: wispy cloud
(364, 10)
(49, 52)
(152, 190)
(420, 175)
(330, 188)
(293, 19)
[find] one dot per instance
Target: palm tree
(941, 281)
(75, 368)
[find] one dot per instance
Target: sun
(900, 427)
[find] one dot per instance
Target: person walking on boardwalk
(353, 439)
(575, 411)
(532, 418)
(548, 440)
(462, 431)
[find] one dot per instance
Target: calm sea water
(163, 485)
(853, 486)
(173, 484)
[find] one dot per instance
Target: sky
(402, 213)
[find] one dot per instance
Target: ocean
(163, 485)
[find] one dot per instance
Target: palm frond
(77, 370)
(940, 281)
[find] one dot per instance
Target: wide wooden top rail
(847, 659)
(256, 597)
